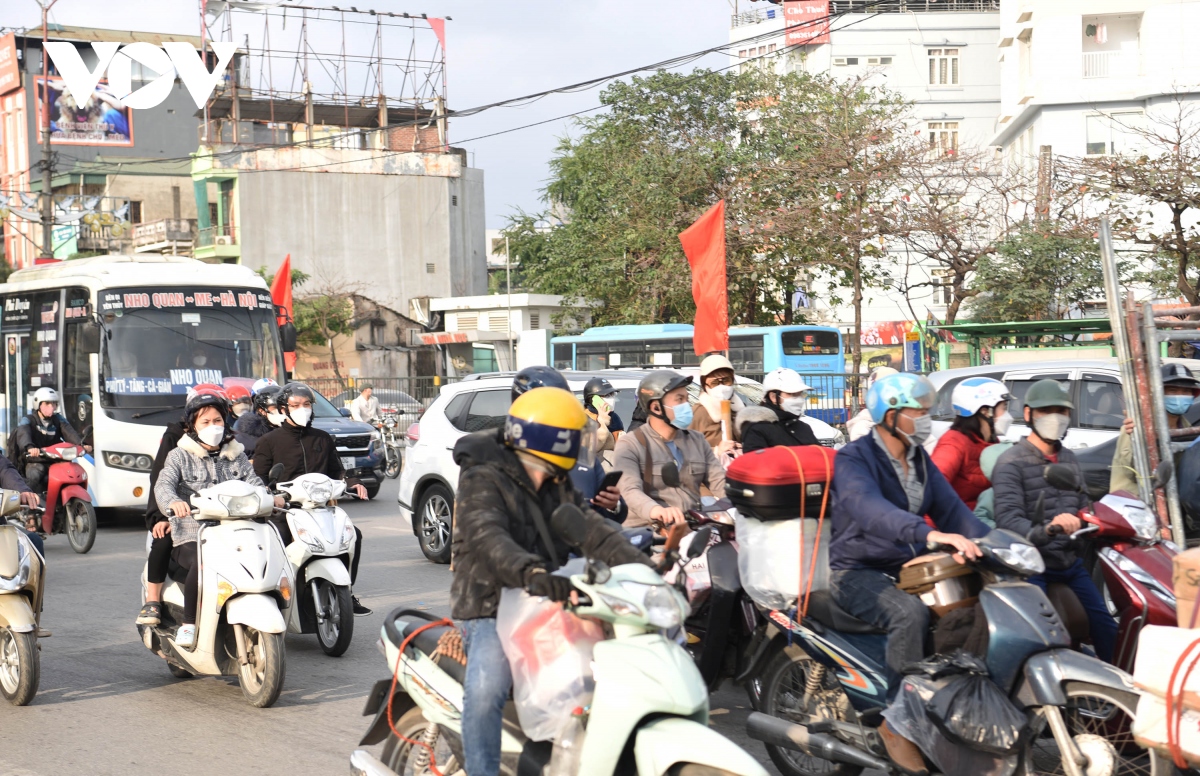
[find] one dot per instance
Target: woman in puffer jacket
(981, 418)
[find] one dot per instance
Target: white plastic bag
(697, 579)
(550, 653)
(769, 559)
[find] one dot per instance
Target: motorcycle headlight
(240, 506)
(311, 539)
(662, 606)
(319, 493)
(19, 579)
(1143, 522)
(1023, 558)
(375, 435)
(347, 537)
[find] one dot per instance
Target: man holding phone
(600, 402)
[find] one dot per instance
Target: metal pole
(512, 356)
(1121, 337)
(1143, 408)
(1161, 428)
(47, 169)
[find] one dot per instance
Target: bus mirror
(89, 337)
(287, 337)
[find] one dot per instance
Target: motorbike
(69, 507)
(822, 700)
(389, 430)
(22, 580)
(648, 715)
(246, 593)
(320, 553)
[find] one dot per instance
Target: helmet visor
(589, 444)
(923, 393)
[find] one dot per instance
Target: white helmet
(261, 383)
(878, 373)
(786, 381)
(45, 395)
(975, 393)
(714, 363)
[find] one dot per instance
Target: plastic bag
(550, 653)
(971, 710)
(697, 579)
(907, 716)
(942, 665)
(769, 559)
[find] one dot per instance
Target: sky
(495, 50)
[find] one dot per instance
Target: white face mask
(1052, 427)
(211, 435)
(276, 418)
(922, 428)
(1001, 424)
(300, 415)
(722, 392)
(200, 360)
(797, 405)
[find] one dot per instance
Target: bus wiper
(154, 412)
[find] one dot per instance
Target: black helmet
(1178, 374)
(294, 388)
(538, 377)
(597, 386)
(198, 402)
(658, 384)
(266, 398)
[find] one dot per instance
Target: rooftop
(98, 35)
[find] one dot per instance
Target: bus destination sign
(122, 300)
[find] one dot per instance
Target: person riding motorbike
(511, 481)
(263, 418)
(303, 449)
(1019, 485)
(861, 424)
(239, 400)
(981, 418)
(600, 402)
(1180, 391)
(779, 419)
(716, 385)
(884, 484)
(365, 407)
(206, 455)
(43, 427)
(665, 439)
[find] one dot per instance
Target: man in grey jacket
(664, 439)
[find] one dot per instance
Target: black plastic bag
(938, 666)
(971, 710)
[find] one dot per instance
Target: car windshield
(323, 408)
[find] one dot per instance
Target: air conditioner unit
(222, 239)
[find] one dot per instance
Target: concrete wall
(154, 192)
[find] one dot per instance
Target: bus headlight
(134, 462)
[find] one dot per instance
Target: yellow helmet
(548, 423)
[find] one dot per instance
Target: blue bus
(753, 350)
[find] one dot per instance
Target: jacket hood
(757, 414)
(254, 425)
(230, 450)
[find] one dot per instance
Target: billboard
(102, 119)
(806, 21)
(10, 75)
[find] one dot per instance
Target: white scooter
(648, 715)
(246, 589)
(22, 577)
(321, 552)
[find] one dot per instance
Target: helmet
(878, 373)
(294, 388)
(548, 423)
(712, 364)
(43, 395)
(238, 394)
(208, 388)
(199, 401)
(265, 397)
(538, 377)
(899, 391)
(597, 386)
(975, 393)
(1048, 393)
(658, 384)
(261, 383)
(785, 380)
(1180, 375)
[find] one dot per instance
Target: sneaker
(359, 609)
(150, 614)
(186, 636)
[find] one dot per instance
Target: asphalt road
(106, 705)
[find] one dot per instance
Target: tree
(326, 309)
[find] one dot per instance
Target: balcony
(167, 235)
(1110, 64)
(217, 242)
(106, 238)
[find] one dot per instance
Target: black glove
(540, 583)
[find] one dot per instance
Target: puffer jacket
(1018, 482)
(249, 428)
(190, 469)
(957, 456)
(770, 426)
(496, 538)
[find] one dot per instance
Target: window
(1114, 133)
(488, 410)
(466, 321)
(455, 409)
(806, 342)
(742, 54)
(135, 212)
(535, 321)
(430, 268)
(497, 321)
(564, 355)
(943, 407)
(213, 213)
(1103, 402)
(841, 61)
(878, 61)
(943, 67)
(453, 199)
(746, 354)
(943, 286)
(1019, 386)
(943, 136)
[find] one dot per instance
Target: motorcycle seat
(427, 641)
(823, 609)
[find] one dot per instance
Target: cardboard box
(1186, 581)
(1159, 649)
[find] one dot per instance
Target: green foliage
(319, 319)
(1037, 275)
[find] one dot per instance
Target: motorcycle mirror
(699, 543)
(568, 523)
(1062, 477)
(275, 473)
(598, 572)
(670, 474)
(1163, 474)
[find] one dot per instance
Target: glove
(539, 583)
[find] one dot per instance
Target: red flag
(281, 295)
(439, 29)
(704, 245)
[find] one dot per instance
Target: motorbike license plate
(347, 462)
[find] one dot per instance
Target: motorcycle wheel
(179, 673)
(1101, 711)
(783, 696)
(80, 524)
(392, 469)
(20, 666)
(405, 758)
(261, 678)
(336, 628)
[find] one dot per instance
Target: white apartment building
(940, 55)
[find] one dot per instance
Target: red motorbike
(68, 506)
(1134, 568)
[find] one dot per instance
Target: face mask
(682, 415)
(797, 405)
(722, 392)
(276, 418)
(922, 428)
(1001, 424)
(211, 435)
(1177, 405)
(1052, 427)
(200, 360)
(300, 416)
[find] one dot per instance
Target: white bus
(122, 338)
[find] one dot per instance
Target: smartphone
(598, 402)
(611, 479)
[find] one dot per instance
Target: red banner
(704, 245)
(281, 295)
(806, 21)
(10, 76)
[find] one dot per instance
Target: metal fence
(407, 395)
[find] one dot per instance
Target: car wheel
(434, 518)
(373, 491)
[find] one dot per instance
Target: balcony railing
(166, 230)
(1110, 64)
(217, 235)
(110, 238)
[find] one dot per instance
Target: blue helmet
(895, 392)
(538, 377)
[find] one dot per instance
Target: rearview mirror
(89, 337)
(598, 572)
(699, 543)
(670, 474)
(1163, 474)
(275, 473)
(287, 337)
(345, 411)
(1062, 477)
(568, 523)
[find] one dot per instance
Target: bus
(813, 351)
(122, 338)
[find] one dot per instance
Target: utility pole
(512, 356)
(47, 166)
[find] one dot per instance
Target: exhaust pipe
(778, 732)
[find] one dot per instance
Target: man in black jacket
(1019, 482)
(778, 420)
(502, 539)
(303, 449)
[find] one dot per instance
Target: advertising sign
(806, 21)
(44, 348)
(10, 74)
(101, 119)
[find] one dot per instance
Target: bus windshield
(160, 342)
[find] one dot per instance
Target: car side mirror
(345, 411)
(1062, 477)
(699, 543)
(1163, 473)
(287, 337)
(670, 474)
(568, 523)
(275, 473)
